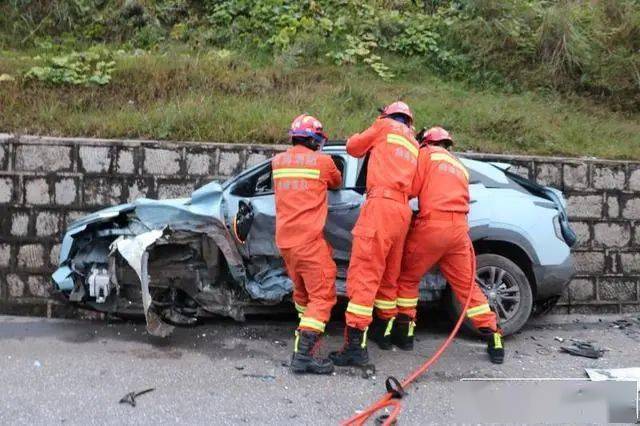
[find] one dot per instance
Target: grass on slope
(207, 97)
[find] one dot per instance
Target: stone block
(630, 262)
(95, 159)
(582, 290)
(5, 255)
(608, 177)
(6, 190)
(139, 188)
(575, 176)
(630, 308)
(54, 255)
(31, 256)
(47, 224)
(521, 170)
(611, 234)
(72, 216)
(37, 192)
(613, 207)
(549, 174)
(255, 158)
(161, 161)
(584, 206)
(101, 192)
(126, 163)
(631, 209)
(65, 191)
(198, 164)
(230, 163)
(38, 286)
(583, 231)
(15, 285)
(594, 309)
(174, 190)
(4, 156)
(634, 179)
(589, 262)
(618, 289)
(43, 158)
(19, 224)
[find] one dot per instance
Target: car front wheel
(507, 289)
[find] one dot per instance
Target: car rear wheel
(507, 289)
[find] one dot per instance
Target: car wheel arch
(511, 251)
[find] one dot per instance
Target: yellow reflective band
(404, 142)
(478, 310)
(296, 173)
(412, 325)
(407, 303)
(300, 315)
(300, 308)
(384, 304)
(497, 341)
(296, 341)
(440, 156)
(312, 323)
(364, 338)
(389, 327)
(354, 308)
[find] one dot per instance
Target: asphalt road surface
(222, 372)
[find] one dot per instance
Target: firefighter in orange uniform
(379, 233)
(301, 176)
(440, 235)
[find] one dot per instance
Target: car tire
(514, 282)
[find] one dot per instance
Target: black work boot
(303, 359)
(380, 332)
(495, 345)
(354, 352)
(402, 333)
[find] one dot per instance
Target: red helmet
(307, 126)
(398, 107)
(435, 135)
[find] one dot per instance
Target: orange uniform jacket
(441, 182)
(301, 177)
(394, 154)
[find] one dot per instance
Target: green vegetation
(527, 76)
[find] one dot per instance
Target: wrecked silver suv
(214, 253)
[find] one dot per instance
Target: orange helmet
(397, 107)
(307, 126)
(437, 135)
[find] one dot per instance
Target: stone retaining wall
(45, 183)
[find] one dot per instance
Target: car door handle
(343, 206)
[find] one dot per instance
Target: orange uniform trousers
(443, 238)
(313, 272)
(376, 258)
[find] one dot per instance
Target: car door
(256, 189)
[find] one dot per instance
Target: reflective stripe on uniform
(497, 341)
(412, 326)
(441, 156)
(296, 173)
(354, 308)
(313, 323)
(300, 308)
(478, 310)
(387, 331)
(404, 142)
(296, 341)
(407, 303)
(384, 304)
(364, 338)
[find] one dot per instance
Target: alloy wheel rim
(502, 291)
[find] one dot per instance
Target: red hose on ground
(386, 401)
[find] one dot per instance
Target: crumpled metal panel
(270, 285)
(134, 251)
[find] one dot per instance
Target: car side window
(340, 164)
(257, 183)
